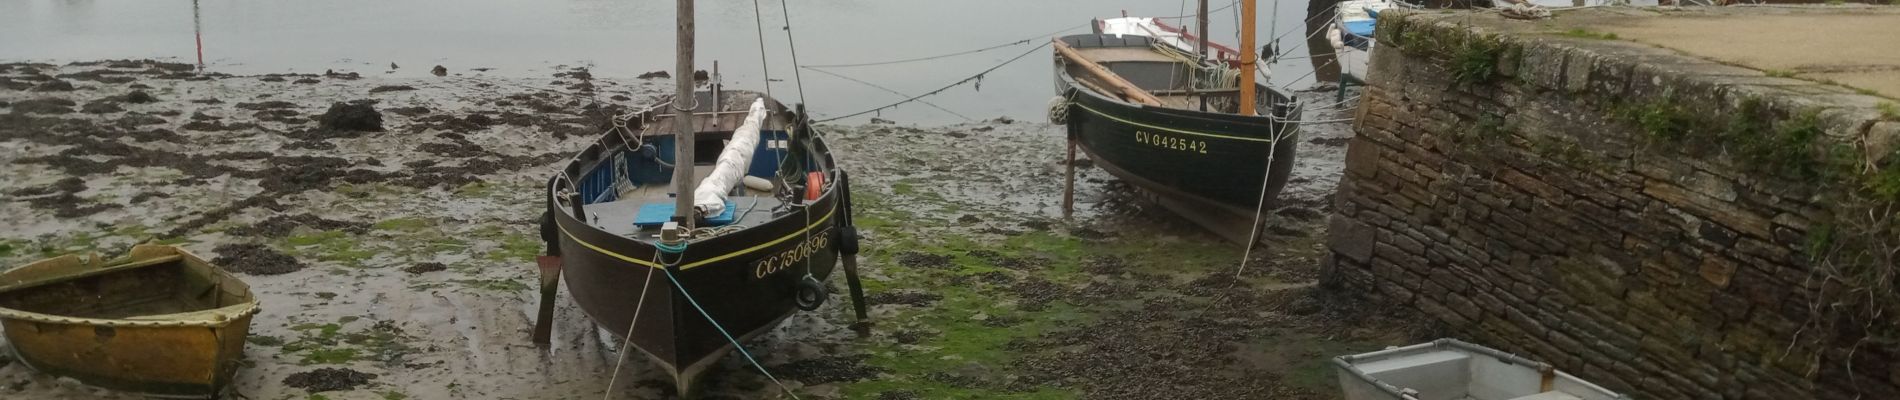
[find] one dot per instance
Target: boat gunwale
(1281, 97)
(1347, 363)
(820, 150)
(211, 318)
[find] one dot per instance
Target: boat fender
(848, 240)
(756, 183)
(647, 151)
(811, 293)
(1058, 110)
(814, 185)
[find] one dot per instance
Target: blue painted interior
(641, 168)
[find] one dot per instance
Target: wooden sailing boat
(1194, 131)
(686, 273)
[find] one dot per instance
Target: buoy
(814, 185)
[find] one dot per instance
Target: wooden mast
(683, 121)
(1200, 21)
(1247, 58)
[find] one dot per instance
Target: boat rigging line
(793, 45)
(973, 78)
(1023, 41)
(892, 91)
(765, 63)
(722, 329)
(627, 340)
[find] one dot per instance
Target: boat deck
(752, 207)
(1164, 76)
(616, 217)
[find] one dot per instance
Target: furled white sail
(709, 198)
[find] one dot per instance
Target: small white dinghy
(1448, 369)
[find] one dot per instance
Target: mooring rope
(889, 90)
(1022, 41)
(627, 340)
(722, 331)
(1266, 181)
(972, 78)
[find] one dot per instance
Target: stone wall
(1652, 222)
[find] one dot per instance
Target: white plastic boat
(1352, 34)
(1448, 369)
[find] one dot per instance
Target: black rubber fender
(811, 293)
(848, 240)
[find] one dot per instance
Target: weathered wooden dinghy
(160, 322)
(1448, 369)
(1193, 131)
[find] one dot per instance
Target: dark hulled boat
(735, 276)
(1188, 145)
(685, 259)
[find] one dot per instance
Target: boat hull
(1212, 168)
(740, 280)
(190, 354)
(664, 303)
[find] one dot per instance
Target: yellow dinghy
(160, 322)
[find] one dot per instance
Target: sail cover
(709, 198)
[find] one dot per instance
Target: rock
(137, 97)
(439, 71)
(426, 267)
(881, 121)
(307, 81)
(352, 117)
(701, 75)
(101, 107)
(255, 259)
(392, 65)
(391, 88)
(656, 75)
(44, 105)
(410, 111)
(328, 379)
(55, 85)
(273, 104)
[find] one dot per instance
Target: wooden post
(550, 267)
(683, 121)
(1247, 57)
(1068, 183)
(1127, 90)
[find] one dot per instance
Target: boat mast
(1201, 51)
(1246, 58)
(683, 121)
(1201, 21)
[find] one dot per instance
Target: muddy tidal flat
(388, 227)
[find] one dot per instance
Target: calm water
(621, 38)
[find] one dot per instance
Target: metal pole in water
(683, 121)
(197, 33)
